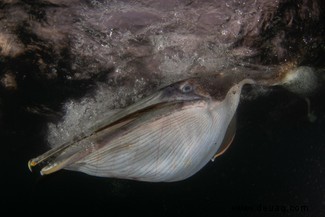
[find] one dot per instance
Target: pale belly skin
(162, 142)
(169, 149)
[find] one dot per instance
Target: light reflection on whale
(169, 135)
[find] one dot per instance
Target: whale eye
(187, 88)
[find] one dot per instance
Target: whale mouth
(70, 152)
(176, 116)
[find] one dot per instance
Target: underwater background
(275, 166)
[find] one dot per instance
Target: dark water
(275, 167)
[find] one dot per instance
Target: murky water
(275, 160)
(55, 88)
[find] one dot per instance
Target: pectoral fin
(228, 138)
